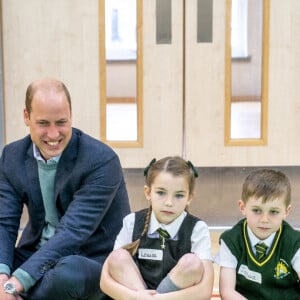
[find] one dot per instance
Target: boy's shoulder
(234, 232)
(289, 232)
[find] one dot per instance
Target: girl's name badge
(153, 254)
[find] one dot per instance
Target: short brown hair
(267, 184)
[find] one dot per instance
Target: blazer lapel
(66, 164)
(34, 183)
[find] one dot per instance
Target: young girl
(170, 256)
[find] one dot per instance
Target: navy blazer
(90, 195)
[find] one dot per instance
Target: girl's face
(264, 218)
(168, 195)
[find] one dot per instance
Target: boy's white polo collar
(254, 240)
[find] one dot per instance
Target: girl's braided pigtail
(132, 247)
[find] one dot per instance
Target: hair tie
(192, 168)
(146, 170)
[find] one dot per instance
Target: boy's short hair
(268, 185)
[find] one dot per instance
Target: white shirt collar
(254, 240)
(172, 228)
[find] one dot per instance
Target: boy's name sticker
(153, 254)
(251, 275)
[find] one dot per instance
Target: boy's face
(264, 218)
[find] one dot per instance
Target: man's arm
(88, 206)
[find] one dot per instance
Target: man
(74, 190)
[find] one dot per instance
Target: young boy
(259, 257)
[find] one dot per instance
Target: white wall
(56, 38)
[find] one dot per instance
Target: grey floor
(217, 193)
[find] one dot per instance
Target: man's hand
(3, 279)
(5, 296)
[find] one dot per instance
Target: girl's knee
(190, 264)
(118, 258)
(188, 271)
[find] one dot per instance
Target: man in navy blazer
(75, 194)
